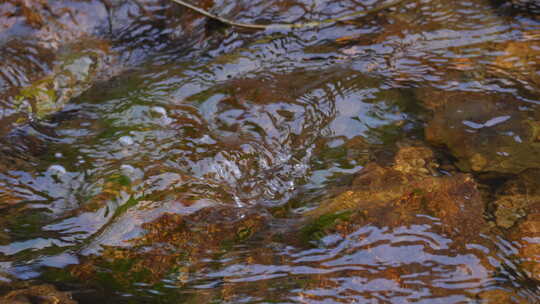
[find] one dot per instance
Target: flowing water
(189, 174)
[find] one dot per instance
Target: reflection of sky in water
(363, 263)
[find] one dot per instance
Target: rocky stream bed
(149, 154)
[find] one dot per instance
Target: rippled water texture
(149, 155)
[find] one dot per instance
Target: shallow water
(186, 177)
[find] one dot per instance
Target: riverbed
(149, 154)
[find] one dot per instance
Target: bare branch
(285, 25)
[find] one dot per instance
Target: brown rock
(521, 59)
(40, 66)
(510, 208)
(517, 198)
(410, 187)
(171, 240)
(499, 296)
(487, 133)
(526, 236)
(40, 294)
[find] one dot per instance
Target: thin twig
(285, 25)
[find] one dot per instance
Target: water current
(200, 168)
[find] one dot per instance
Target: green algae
(316, 229)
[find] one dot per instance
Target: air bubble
(159, 110)
(127, 169)
(57, 170)
(126, 140)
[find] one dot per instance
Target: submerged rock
(497, 296)
(525, 236)
(486, 132)
(510, 208)
(403, 200)
(525, 6)
(39, 294)
(50, 52)
(208, 247)
(80, 66)
(491, 132)
(172, 244)
(408, 188)
(521, 58)
(518, 208)
(516, 198)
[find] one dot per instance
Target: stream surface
(187, 174)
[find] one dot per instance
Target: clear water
(185, 177)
